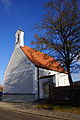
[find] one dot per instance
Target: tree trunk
(71, 86)
(69, 75)
(70, 80)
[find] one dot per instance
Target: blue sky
(15, 14)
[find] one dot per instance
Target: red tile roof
(42, 60)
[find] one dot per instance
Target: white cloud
(7, 3)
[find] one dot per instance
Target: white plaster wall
(18, 77)
(61, 78)
(43, 72)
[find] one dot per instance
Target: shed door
(42, 83)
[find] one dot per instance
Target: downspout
(38, 83)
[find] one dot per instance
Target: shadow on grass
(59, 102)
(63, 106)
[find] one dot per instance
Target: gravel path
(32, 109)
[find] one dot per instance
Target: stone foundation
(18, 97)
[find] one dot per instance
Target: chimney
(19, 38)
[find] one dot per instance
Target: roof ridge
(39, 51)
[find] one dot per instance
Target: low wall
(64, 93)
(0, 98)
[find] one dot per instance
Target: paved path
(15, 115)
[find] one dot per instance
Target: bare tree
(60, 33)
